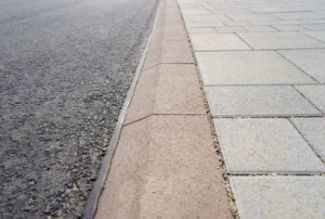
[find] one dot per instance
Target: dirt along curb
(165, 164)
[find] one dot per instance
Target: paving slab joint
(220, 158)
(309, 144)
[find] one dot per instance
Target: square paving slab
(320, 35)
(313, 129)
(316, 94)
(284, 197)
(280, 40)
(257, 101)
(312, 61)
(248, 67)
(264, 145)
(217, 41)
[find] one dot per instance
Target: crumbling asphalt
(65, 68)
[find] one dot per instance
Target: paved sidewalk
(262, 64)
(165, 165)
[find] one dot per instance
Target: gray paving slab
(258, 101)
(313, 129)
(204, 24)
(280, 40)
(217, 41)
(311, 61)
(230, 29)
(251, 16)
(195, 30)
(248, 67)
(315, 93)
(319, 35)
(206, 18)
(289, 27)
(316, 27)
(298, 15)
(260, 28)
(264, 145)
(281, 197)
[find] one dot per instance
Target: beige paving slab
(168, 51)
(166, 89)
(311, 61)
(165, 167)
(248, 67)
(315, 94)
(280, 40)
(217, 41)
(282, 197)
(320, 35)
(258, 101)
(171, 33)
(264, 145)
(313, 129)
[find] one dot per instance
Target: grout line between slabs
(266, 116)
(273, 49)
(288, 60)
(273, 174)
(219, 155)
(309, 144)
(307, 99)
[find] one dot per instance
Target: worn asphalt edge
(91, 205)
(220, 158)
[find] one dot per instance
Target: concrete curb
(165, 164)
(93, 198)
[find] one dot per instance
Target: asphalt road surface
(65, 68)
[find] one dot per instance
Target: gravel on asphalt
(65, 68)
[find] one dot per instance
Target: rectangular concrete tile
(319, 35)
(288, 27)
(200, 30)
(315, 93)
(282, 197)
(260, 28)
(264, 145)
(280, 40)
(251, 16)
(298, 15)
(248, 67)
(315, 26)
(257, 101)
(237, 23)
(313, 129)
(218, 41)
(205, 18)
(230, 29)
(205, 24)
(166, 89)
(311, 61)
(195, 12)
(165, 167)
